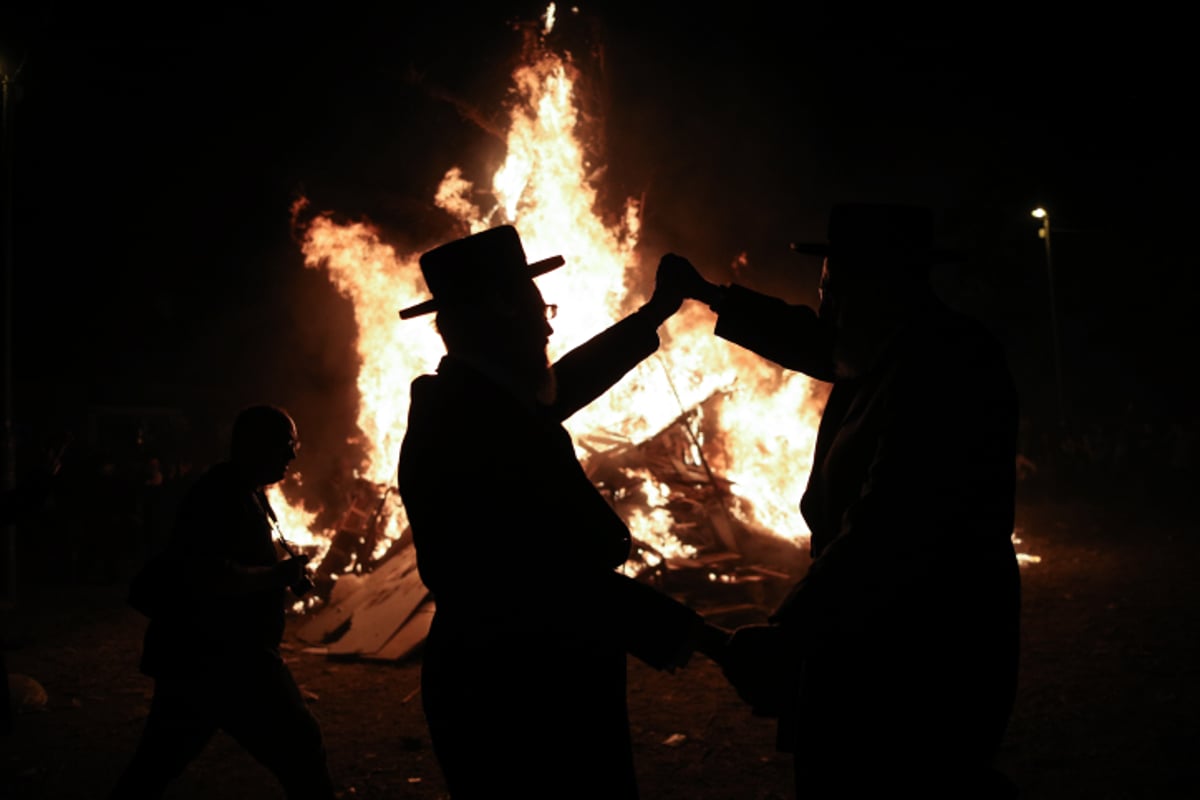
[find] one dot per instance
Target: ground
(1107, 705)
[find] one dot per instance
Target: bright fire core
(767, 418)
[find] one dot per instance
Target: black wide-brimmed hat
(881, 234)
(469, 269)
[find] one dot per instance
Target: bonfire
(704, 449)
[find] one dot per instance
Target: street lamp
(1044, 234)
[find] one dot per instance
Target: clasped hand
(758, 663)
(675, 281)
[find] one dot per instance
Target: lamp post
(1044, 234)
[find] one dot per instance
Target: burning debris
(730, 569)
(703, 450)
(356, 537)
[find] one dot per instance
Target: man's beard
(857, 334)
(547, 390)
(843, 348)
(847, 359)
(856, 350)
(536, 377)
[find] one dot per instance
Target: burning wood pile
(703, 450)
(727, 568)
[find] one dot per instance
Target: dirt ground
(1108, 704)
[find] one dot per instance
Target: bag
(153, 589)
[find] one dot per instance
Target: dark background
(155, 154)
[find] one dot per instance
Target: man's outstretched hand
(678, 273)
(675, 281)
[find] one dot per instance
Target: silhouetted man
(524, 673)
(212, 644)
(892, 664)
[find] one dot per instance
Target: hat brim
(535, 269)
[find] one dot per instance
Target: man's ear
(500, 307)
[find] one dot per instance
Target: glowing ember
(1025, 558)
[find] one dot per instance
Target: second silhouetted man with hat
(892, 663)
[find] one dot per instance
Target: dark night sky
(156, 154)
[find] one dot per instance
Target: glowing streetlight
(1044, 233)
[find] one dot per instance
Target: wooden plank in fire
(411, 635)
(660, 465)
(689, 473)
(694, 579)
(723, 559)
(392, 597)
(603, 441)
(667, 451)
(360, 513)
(722, 523)
(329, 623)
(769, 573)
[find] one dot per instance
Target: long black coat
(523, 680)
(219, 524)
(906, 624)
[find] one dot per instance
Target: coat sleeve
(593, 367)
(653, 626)
(789, 335)
(935, 509)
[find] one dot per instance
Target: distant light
(1039, 212)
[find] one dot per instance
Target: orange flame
(767, 418)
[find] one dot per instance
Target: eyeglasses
(551, 311)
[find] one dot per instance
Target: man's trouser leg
(180, 724)
(267, 715)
